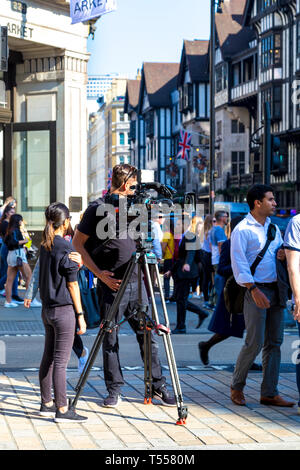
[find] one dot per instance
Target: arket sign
(85, 10)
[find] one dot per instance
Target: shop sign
(85, 10)
(19, 30)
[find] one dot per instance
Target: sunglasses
(130, 173)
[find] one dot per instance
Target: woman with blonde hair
(205, 259)
(185, 272)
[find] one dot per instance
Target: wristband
(254, 286)
(78, 314)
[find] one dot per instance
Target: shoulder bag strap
(271, 236)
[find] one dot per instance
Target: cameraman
(110, 267)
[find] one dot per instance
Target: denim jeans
(3, 271)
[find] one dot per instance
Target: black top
(188, 253)
(56, 269)
(115, 254)
(12, 240)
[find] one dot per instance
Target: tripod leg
(147, 366)
(107, 323)
(182, 410)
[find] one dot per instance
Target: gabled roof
(132, 95)
(247, 14)
(158, 80)
(195, 54)
(232, 36)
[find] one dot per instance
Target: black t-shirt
(114, 254)
(56, 269)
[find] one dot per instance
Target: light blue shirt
(217, 235)
(206, 244)
(247, 240)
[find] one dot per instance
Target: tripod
(146, 262)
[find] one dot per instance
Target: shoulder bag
(234, 293)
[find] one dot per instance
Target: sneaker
(17, 300)
(82, 361)
(162, 394)
(10, 304)
(35, 303)
(112, 400)
(69, 416)
(49, 411)
(2, 292)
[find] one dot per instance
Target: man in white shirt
(262, 312)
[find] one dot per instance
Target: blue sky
(146, 31)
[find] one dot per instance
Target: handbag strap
(270, 237)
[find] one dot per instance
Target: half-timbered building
(193, 89)
(137, 132)
(155, 106)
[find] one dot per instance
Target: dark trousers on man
(264, 333)
(112, 370)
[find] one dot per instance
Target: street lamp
(212, 138)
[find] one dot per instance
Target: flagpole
(212, 140)
(212, 107)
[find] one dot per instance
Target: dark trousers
(59, 326)
(3, 271)
(183, 287)
(167, 267)
(206, 274)
(112, 370)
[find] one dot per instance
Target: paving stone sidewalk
(213, 421)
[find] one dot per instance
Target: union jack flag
(184, 145)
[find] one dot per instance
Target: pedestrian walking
(217, 238)
(8, 211)
(255, 243)
(185, 271)
(16, 258)
(292, 251)
(205, 259)
(196, 285)
(61, 302)
(221, 322)
(168, 247)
